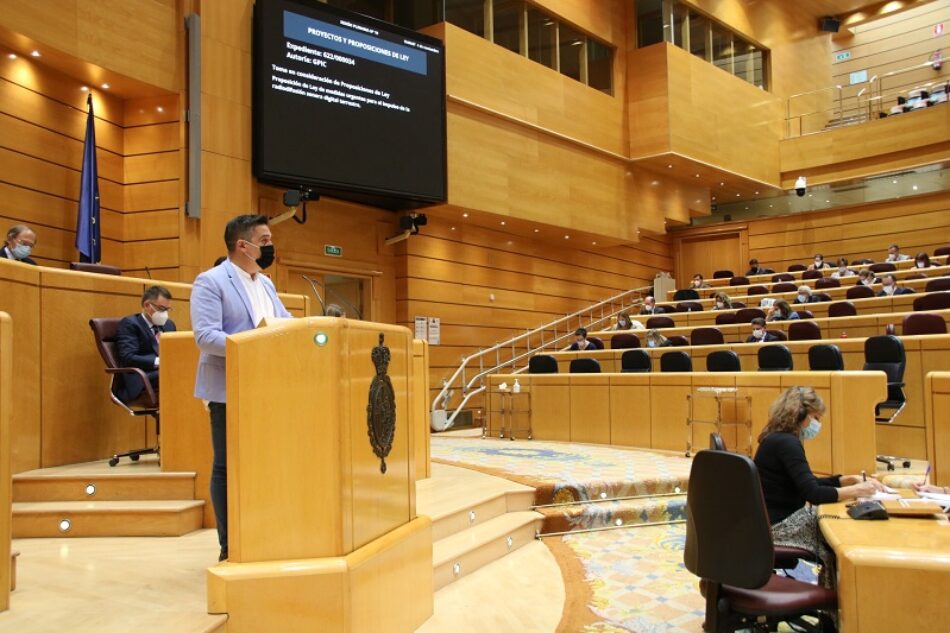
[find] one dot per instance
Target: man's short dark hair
(15, 230)
(697, 276)
(891, 275)
(580, 332)
(758, 321)
(240, 228)
(753, 262)
(893, 246)
(154, 292)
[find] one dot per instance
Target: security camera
(409, 225)
(800, 185)
(292, 199)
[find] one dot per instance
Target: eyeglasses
(159, 308)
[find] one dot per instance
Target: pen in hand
(926, 475)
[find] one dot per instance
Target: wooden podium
(323, 532)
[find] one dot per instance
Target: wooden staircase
(482, 521)
(139, 500)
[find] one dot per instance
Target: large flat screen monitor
(347, 105)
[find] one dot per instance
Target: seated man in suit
(759, 333)
(19, 245)
(894, 254)
(136, 342)
(889, 287)
(649, 306)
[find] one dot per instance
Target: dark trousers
(219, 469)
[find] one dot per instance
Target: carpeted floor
(567, 473)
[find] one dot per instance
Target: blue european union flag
(88, 241)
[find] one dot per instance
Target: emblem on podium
(381, 409)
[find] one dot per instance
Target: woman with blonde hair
(788, 482)
(624, 322)
(655, 339)
(723, 302)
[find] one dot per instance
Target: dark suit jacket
(136, 346)
(897, 291)
(6, 254)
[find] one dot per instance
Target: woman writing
(788, 482)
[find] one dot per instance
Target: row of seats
(870, 263)
(823, 357)
(688, 299)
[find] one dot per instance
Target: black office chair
(723, 360)
(635, 361)
(584, 366)
(825, 357)
(886, 353)
(146, 405)
(775, 358)
(676, 361)
(716, 443)
(729, 546)
(686, 294)
(542, 364)
(722, 274)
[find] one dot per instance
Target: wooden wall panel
(865, 231)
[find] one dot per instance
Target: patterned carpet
(567, 473)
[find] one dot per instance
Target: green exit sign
(842, 56)
(332, 251)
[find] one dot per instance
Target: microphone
(313, 286)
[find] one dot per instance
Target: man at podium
(230, 298)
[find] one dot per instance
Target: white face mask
(651, 343)
(759, 333)
(803, 298)
(811, 430)
(818, 263)
(720, 305)
(159, 318)
(623, 323)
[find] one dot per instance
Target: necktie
(157, 331)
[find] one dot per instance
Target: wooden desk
(937, 404)
(892, 575)
(650, 410)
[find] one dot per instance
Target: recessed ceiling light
(12, 55)
(105, 86)
(85, 88)
(722, 184)
(567, 237)
(747, 208)
(914, 187)
(827, 201)
(593, 243)
(697, 175)
(35, 53)
(770, 206)
(756, 193)
(453, 228)
(537, 230)
(502, 223)
(655, 182)
(894, 181)
(160, 109)
(738, 194)
(670, 166)
(464, 215)
(714, 197)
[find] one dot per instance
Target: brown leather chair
(729, 546)
(932, 301)
(859, 292)
(722, 274)
(782, 277)
(784, 286)
(706, 336)
(745, 315)
(812, 274)
(624, 341)
(882, 267)
(861, 262)
(739, 281)
(805, 314)
(778, 334)
(596, 342)
(827, 282)
(146, 405)
(940, 283)
(804, 331)
(794, 268)
(689, 306)
(757, 290)
(726, 318)
(841, 309)
(924, 323)
(679, 341)
(659, 322)
(102, 269)
(943, 250)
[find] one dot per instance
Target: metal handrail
(608, 308)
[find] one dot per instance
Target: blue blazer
(137, 347)
(220, 306)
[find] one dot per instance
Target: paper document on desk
(938, 498)
(890, 495)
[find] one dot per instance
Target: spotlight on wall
(409, 225)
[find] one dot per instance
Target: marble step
(106, 518)
(613, 513)
(464, 552)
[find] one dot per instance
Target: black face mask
(267, 256)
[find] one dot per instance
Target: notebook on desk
(912, 507)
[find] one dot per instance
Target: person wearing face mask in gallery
(759, 333)
(781, 311)
(788, 482)
(922, 260)
(867, 278)
(655, 339)
(819, 263)
(843, 270)
(723, 302)
(137, 340)
(890, 288)
(232, 297)
(21, 240)
(624, 322)
(805, 296)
